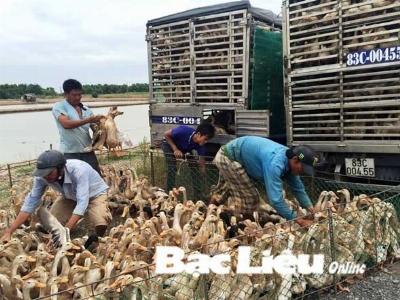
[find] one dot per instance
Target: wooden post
(9, 175)
(152, 168)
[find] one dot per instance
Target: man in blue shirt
(84, 193)
(181, 140)
(73, 121)
(250, 158)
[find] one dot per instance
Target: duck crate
(219, 58)
(342, 85)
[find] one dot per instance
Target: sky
(95, 41)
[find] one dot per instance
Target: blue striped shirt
(266, 161)
(81, 183)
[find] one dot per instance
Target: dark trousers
(170, 161)
(89, 157)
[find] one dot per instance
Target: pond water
(25, 135)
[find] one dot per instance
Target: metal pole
(332, 244)
(375, 234)
(152, 168)
(51, 146)
(9, 175)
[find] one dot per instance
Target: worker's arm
(59, 112)
(273, 184)
(31, 202)
(168, 137)
(70, 124)
(21, 218)
(298, 190)
(274, 188)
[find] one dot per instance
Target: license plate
(360, 167)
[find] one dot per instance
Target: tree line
(15, 91)
(97, 89)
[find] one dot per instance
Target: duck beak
(50, 256)
(64, 279)
(75, 247)
(30, 259)
(67, 253)
(27, 276)
(40, 285)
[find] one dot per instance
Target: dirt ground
(377, 284)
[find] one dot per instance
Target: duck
(40, 274)
(6, 287)
(176, 225)
(82, 291)
(54, 284)
(186, 292)
(113, 142)
(109, 269)
(18, 263)
(95, 271)
(28, 285)
(131, 189)
(61, 255)
(51, 224)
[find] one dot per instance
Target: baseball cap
(308, 158)
(47, 162)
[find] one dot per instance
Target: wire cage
(360, 228)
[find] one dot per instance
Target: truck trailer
(342, 83)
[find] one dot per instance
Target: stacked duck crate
(342, 74)
(200, 60)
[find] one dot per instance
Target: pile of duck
(363, 230)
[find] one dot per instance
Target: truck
(326, 74)
(221, 63)
(342, 83)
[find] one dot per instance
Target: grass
(4, 194)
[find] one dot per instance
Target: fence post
(332, 244)
(9, 175)
(152, 168)
(51, 146)
(375, 234)
(91, 287)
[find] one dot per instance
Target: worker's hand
(178, 153)
(304, 222)
(6, 236)
(95, 118)
(311, 212)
